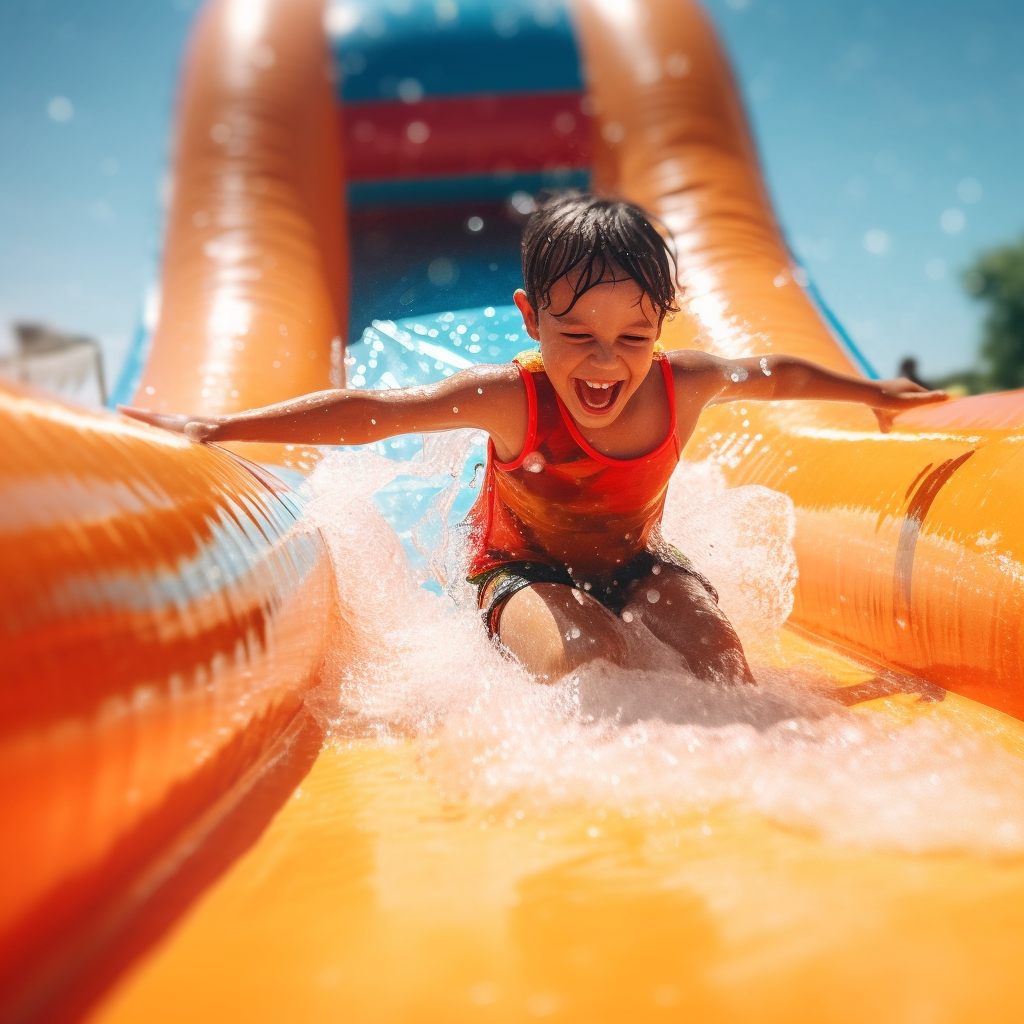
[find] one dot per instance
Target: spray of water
(408, 662)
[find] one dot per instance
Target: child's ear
(529, 313)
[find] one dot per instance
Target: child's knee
(551, 631)
(672, 596)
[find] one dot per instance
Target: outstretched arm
(780, 378)
(489, 398)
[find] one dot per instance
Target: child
(584, 436)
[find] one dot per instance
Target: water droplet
(523, 203)
(564, 123)
(485, 992)
(418, 132)
(60, 109)
(678, 65)
(410, 90)
(876, 241)
(613, 132)
(653, 596)
(969, 190)
(442, 272)
(953, 221)
(763, 363)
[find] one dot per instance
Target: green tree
(997, 278)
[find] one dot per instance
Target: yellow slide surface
(373, 897)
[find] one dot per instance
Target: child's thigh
(552, 629)
(674, 600)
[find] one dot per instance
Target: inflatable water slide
(257, 761)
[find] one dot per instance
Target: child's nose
(604, 355)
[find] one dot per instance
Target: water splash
(411, 663)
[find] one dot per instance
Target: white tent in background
(68, 365)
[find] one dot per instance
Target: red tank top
(564, 503)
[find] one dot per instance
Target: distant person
(908, 370)
(584, 435)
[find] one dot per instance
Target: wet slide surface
(376, 896)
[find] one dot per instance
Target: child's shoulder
(491, 379)
(690, 361)
(698, 374)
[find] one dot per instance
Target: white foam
(413, 663)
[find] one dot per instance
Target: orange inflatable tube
(165, 608)
(163, 614)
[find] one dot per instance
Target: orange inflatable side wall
(163, 612)
(910, 545)
(254, 281)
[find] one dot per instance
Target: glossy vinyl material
(412, 48)
(163, 613)
(910, 545)
(163, 610)
(376, 896)
(253, 290)
(440, 104)
(500, 136)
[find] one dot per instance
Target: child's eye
(635, 338)
(576, 337)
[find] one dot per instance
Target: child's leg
(553, 629)
(680, 612)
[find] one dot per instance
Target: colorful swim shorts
(496, 586)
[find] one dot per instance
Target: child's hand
(198, 428)
(899, 395)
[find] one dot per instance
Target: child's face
(597, 354)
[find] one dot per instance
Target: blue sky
(892, 136)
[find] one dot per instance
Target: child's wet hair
(576, 231)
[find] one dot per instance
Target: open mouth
(597, 396)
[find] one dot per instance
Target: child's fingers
(909, 399)
(136, 414)
(885, 419)
(895, 404)
(168, 421)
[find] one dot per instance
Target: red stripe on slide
(465, 135)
